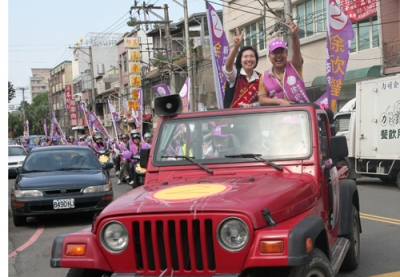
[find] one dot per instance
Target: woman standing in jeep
(242, 80)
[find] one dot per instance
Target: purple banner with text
(338, 42)
(219, 52)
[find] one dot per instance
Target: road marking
(380, 218)
(392, 274)
(35, 236)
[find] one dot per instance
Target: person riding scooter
(135, 147)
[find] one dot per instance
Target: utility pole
(189, 56)
(168, 39)
(168, 45)
(287, 9)
(188, 51)
(92, 93)
(23, 102)
(93, 96)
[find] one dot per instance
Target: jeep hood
(284, 197)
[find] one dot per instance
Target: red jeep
(236, 192)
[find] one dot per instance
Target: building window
(310, 16)
(254, 35)
(366, 34)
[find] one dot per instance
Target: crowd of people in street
(121, 150)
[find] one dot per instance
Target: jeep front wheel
(318, 267)
(79, 272)
(352, 258)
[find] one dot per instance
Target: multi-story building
(390, 26)
(60, 76)
(120, 100)
(38, 83)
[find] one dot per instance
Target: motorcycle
(140, 171)
(104, 157)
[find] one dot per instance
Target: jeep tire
(319, 266)
(352, 258)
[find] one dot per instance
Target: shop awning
(352, 76)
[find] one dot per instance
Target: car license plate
(63, 204)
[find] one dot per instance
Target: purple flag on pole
(97, 124)
(27, 129)
(184, 94)
(52, 127)
(45, 127)
(338, 40)
(114, 116)
(219, 52)
(162, 90)
(139, 126)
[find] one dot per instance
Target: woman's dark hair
(238, 61)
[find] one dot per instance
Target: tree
(131, 22)
(37, 112)
(11, 91)
(15, 125)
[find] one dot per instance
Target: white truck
(371, 124)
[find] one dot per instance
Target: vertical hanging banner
(162, 90)
(68, 96)
(185, 96)
(135, 78)
(219, 52)
(338, 42)
(72, 113)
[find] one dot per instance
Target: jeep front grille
(181, 244)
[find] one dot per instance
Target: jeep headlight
(93, 189)
(233, 234)
(27, 193)
(114, 237)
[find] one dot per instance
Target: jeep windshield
(214, 139)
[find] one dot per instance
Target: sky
(41, 32)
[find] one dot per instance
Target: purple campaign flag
(114, 116)
(139, 126)
(52, 126)
(56, 125)
(27, 129)
(219, 52)
(338, 41)
(162, 90)
(185, 96)
(92, 118)
(45, 128)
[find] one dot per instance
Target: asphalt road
(29, 246)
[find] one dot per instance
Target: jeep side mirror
(338, 148)
(144, 157)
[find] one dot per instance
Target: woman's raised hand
(237, 40)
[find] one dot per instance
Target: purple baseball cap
(218, 133)
(277, 43)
